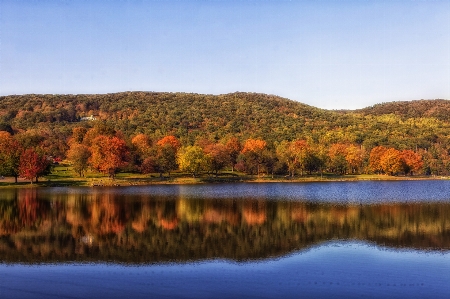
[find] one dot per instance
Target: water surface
(371, 239)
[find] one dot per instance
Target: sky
(327, 54)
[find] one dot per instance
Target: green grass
(63, 175)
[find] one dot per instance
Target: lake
(369, 239)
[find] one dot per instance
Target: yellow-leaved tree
(192, 159)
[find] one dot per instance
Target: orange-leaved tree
(169, 140)
(300, 149)
(412, 162)
(234, 147)
(142, 143)
(391, 161)
(375, 158)
(142, 152)
(354, 158)
(108, 154)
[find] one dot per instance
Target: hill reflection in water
(137, 228)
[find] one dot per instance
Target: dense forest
(254, 133)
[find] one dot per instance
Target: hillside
(167, 113)
(439, 109)
(403, 125)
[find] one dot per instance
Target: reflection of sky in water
(346, 192)
(332, 270)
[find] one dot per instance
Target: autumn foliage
(99, 147)
(102, 149)
(108, 154)
(253, 154)
(79, 155)
(412, 162)
(10, 152)
(32, 164)
(169, 140)
(391, 161)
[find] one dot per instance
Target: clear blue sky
(328, 54)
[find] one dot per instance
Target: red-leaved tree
(33, 165)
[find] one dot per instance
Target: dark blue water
(340, 192)
(382, 240)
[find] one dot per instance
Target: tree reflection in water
(147, 229)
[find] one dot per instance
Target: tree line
(107, 151)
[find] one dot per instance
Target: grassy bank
(63, 175)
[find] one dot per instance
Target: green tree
(287, 156)
(79, 155)
(313, 162)
(165, 159)
(192, 159)
(337, 157)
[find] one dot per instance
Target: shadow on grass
(227, 179)
(12, 184)
(54, 183)
(62, 183)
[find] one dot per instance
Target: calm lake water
(275, 240)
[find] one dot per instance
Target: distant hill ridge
(438, 108)
(413, 108)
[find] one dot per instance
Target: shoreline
(8, 182)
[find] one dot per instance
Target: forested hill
(403, 125)
(439, 109)
(179, 114)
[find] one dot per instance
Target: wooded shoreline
(183, 179)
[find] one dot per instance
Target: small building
(88, 118)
